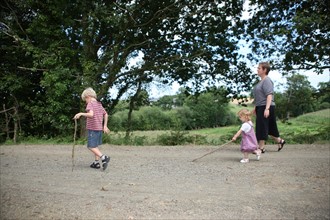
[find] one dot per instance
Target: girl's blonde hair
(245, 113)
(89, 92)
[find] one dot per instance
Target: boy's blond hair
(245, 113)
(89, 92)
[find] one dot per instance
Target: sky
(312, 77)
(277, 78)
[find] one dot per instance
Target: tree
(166, 102)
(139, 99)
(66, 46)
(210, 108)
(19, 83)
(293, 34)
(323, 95)
(281, 106)
(298, 96)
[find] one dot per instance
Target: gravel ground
(37, 182)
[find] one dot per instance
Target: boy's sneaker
(105, 162)
(95, 165)
(244, 160)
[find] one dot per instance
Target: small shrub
(174, 138)
(197, 139)
(138, 140)
(115, 139)
(118, 139)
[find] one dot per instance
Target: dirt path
(162, 183)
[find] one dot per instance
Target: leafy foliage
(297, 99)
(174, 138)
(57, 48)
(293, 34)
(208, 109)
(323, 95)
(308, 128)
(52, 50)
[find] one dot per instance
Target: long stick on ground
(194, 160)
(74, 142)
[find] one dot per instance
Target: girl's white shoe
(258, 156)
(244, 160)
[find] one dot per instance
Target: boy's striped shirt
(96, 122)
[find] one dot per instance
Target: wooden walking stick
(74, 142)
(194, 160)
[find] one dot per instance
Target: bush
(174, 138)
(180, 138)
(197, 139)
(121, 139)
(152, 118)
(307, 136)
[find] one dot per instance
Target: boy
(95, 113)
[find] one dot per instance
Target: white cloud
(312, 77)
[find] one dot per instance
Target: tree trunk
(15, 125)
(131, 108)
(6, 122)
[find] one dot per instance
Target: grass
(305, 129)
(308, 128)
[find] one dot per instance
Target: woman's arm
(268, 103)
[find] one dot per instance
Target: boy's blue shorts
(94, 138)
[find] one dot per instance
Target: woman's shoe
(281, 144)
(263, 150)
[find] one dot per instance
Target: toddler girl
(249, 142)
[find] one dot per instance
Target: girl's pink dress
(249, 141)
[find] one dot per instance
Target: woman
(265, 109)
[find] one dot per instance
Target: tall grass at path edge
(306, 129)
(311, 128)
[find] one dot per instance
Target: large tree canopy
(294, 34)
(60, 47)
(52, 50)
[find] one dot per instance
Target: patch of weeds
(174, 138)
(197, 139)
(115, 139)
(121, 139)
(307, 135)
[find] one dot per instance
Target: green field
(306, 129)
